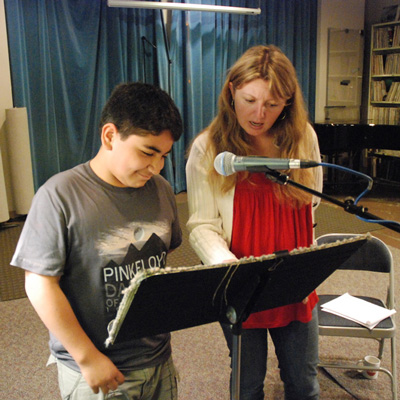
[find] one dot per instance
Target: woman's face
(255, 108)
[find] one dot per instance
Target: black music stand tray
(165, 300)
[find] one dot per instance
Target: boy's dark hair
(141, 109)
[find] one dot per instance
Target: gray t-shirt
(96, 237)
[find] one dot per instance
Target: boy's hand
(55, 311)
(101, 374)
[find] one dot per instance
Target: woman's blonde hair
(290, 129)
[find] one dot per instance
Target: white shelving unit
(384, 85)
(344, 79)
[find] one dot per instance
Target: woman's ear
(108, 134)
(231, 88)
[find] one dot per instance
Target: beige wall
(5, 102)
(340, 14)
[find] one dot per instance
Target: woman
(261, 112)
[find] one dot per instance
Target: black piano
(351, 137)
(343, 144)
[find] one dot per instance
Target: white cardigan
(210, 211)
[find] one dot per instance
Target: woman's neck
(265, 146)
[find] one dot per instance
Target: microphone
(227, 163)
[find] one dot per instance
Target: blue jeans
(296, 347)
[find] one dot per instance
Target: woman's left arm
(316, 156)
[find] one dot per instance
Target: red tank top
(263, 225)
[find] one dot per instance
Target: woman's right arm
(206, 234)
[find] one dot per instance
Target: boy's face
(133, 161)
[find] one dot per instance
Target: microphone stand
(347, 205)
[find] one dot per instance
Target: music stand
(165, 300)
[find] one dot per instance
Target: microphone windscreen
(223, 163)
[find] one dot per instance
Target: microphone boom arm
(347, 205)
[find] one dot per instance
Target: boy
(89, 230)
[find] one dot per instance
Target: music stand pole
(348, 206)
(236, 312)
(236, 357)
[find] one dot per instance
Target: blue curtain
(67, 55)
(204, 45)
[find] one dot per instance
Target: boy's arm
(54, 309)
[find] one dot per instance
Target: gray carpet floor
(200, 353)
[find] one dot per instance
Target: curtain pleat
(67, 55)
(206, 44)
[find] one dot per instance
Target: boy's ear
(108, 133)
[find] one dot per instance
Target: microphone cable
(367, 190)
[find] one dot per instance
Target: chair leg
(381, 348)
(394, 367)
(391, 374)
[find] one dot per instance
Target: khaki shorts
(156, 383)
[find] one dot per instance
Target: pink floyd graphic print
(116, 277)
